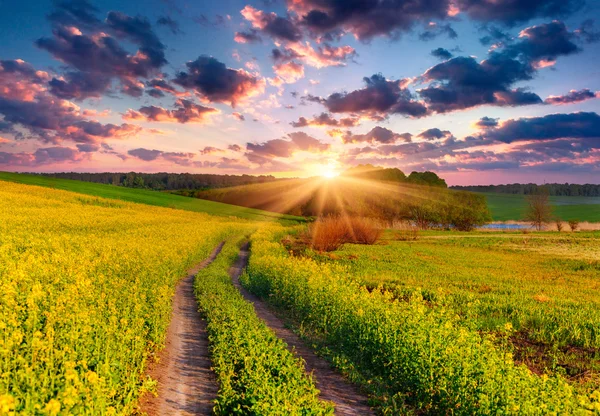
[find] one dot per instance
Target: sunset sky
(479, 91)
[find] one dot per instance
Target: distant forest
(199, 182)
(553, 189)
(165, 181)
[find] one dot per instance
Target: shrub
(330, 233)
(559, 225)
(574, 225)
(406, 232)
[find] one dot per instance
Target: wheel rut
(186, 383)
(348, 400)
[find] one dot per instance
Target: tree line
(551, 189)
(395, 175)
(165, 181)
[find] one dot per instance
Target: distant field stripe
(144, 196)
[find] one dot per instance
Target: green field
(508, 207)
(142, 196)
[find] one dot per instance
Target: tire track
(186, 383)
(348, 400)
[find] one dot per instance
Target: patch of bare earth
(347, 398)
(186, 383)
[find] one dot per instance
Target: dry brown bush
(330, 233)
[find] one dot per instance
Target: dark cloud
(43, 156)
(249, 36)
(433, 30)
(486, 122)
(367, 19)
(185, 111)
(511, 12)
(376, 135)
(234, 147)
(279, 28)
(168, 22)
(587, 33)
(441, 53)
(462, 82)
(325, 119)
(434, 133)
(91, 46)
(572, 96)
(217, 83)
(494, 35)
(549, 127)
(149, 155)
(80, 85)
(379, 97)
(163, 86)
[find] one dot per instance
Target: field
(507, 207)
(450, 323)
(142, 196)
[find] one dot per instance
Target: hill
(354, 196)
(143, 196)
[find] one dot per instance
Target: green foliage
(143, 196)
(257, 374)
(407, 351)
(426, 178)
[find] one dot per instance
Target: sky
(478, 91)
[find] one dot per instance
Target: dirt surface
(186, 383)
(347, 398)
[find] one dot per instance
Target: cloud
(325, 119)
(208, 150)
(250, 36)
(265, 153)
(185, 111)
(367, 19)
(587, 33)
(168, 22)
(486, 122)
(79, 85)
(289, 72)
(234, 147)
(29, 111)
(279, 28)
(434, 133)
(91, 47)
(380, 97)
(376, 135)
(43, 156)
(217, 83)
(324, 55)
(163, 86)
(433, 30)
(572, 97)
(238, 116)
(149, 155)
(441, 53)
(510, 12)
(550, 127)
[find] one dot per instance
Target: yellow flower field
(85, 292)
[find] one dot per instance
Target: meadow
(448, 323)
(142, 196)
(507, 207)
(437, 325)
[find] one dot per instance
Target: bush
(330, 233)
(574, 225)
(559, 225)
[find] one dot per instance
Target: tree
(559, 225)
(574, 225)
(538, 211)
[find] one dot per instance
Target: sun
(330, 174)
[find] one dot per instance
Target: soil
(186, 383)
(347, 398)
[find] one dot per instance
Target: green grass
(143, 196)
(507, 207)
